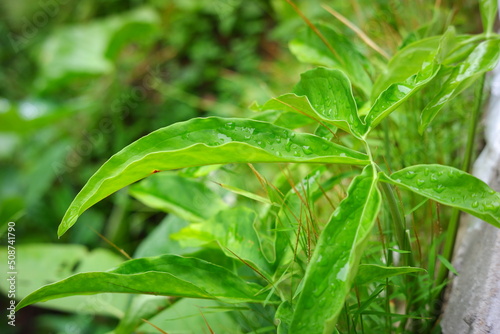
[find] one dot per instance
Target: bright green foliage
(325, 96)
(397, 93)
(450, 186)
(339, 52)
(159, 241)
(446, 49)
(368, 273)
(170, 192)
(489, 9)
(293, 207)
(482, 59)
(51, 263)
(284, 315)
(204, 142)
(256, 248)
(330, 94)
(405, 63)
(333, 266)
(234, 230)
(167, 275)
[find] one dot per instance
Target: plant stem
(397, 217)
(452, 229)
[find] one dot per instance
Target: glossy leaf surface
(332, 268)
(166, 275)
(368, 273)
(340, 53)
(204, 141)
(450, 186)
(409, 60)
(324, 96)
(330, 94)
(397, 93)
(483, 59)
(405, 63)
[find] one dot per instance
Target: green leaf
(141, 307)
(245, 193)
(293, 104)
(170, 192)
(287, 119)
(190, 316)
(482, 59)
(452, 187)
(159, 240)
(86, 50)
(166, 275)
(369, 273)
(234, 230)
(329, 93)
(204, 141)
(323, 96)
(333, 266)
(46, 263)
(339, 53)
(488, 10)
(405, 63)
(284, 315)
(397, 93)
(410, 59)
(447, 264)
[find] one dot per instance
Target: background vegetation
(82, 79)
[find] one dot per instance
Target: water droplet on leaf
(307, 150)
(410, 174)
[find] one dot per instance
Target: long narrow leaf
(204, 141)
(333, 265)
(167, 275)
(371, 272)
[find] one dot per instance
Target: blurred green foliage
(79, 80)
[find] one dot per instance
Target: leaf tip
(68, 220)
(421, 129)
